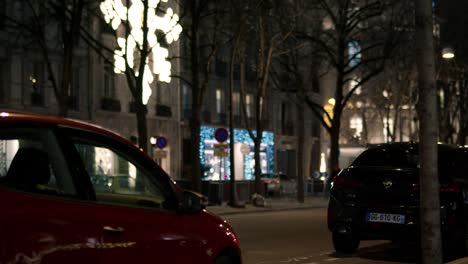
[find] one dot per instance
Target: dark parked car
(71, 192)
(377, 197)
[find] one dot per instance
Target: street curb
(459, 261)
(267, 210)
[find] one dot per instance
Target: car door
(41, 208)
(135, 205)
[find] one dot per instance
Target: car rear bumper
(354, 219)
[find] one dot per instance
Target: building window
(356, 124)
(236, 103)
(387, 126)
(159, 93)
(219, 101)
(287, 125)
(353, 83)
(36, 82)
(109, 102)
(249, 105)
(185, 97)
(354, 53)
(74, 95)
(109, 84)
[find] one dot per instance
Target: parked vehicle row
(377, 197)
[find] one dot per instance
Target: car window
(119, 179)
(402, 158)
(32, 161)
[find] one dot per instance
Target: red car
(71, 192)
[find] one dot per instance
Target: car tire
(226, 259)
(464, 243)
(345, 243)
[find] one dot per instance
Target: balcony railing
(163, 110)
(110, 104)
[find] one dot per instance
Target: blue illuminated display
(241, 136)
(354, 53)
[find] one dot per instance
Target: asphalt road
(301, 236)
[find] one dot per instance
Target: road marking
(331, 259)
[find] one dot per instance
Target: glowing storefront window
(218, 168)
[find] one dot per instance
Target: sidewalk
(459, 261)
(272, 204)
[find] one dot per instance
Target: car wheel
(225, 259)
(345, 243)
(464, 249)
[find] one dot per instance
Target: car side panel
(40, 229)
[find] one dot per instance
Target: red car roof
(12, 116)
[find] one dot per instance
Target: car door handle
(113, 230)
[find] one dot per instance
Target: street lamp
(448, 53)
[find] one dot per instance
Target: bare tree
(356, 39)
(452, 101)
(391, 96)
(238, 26)
(293, 72)
(269, 21)
(35, 30)
(201, 20)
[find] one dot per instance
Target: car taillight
(450, 188)
(339, 181)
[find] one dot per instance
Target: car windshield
(402, 158)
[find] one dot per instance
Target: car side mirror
(193, 202)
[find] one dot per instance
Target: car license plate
(385, 218)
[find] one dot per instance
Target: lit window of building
(354, 53)
(219, 103)
(249, 105)
(356, 124)
(387, 125)
(236, 103)
(353, 83)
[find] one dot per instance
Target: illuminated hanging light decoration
(115, 14)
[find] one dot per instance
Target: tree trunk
(232, 179)
(258, 179)
(195, 147)
(70, 30)
(463, 112)
(196, 98)
(333, 163)
(233, 193)
(462, 124)
(300, 151)
(429, 186)
(142, 127)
